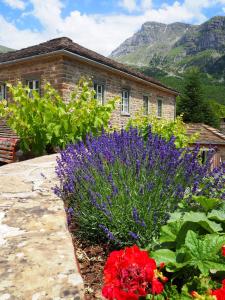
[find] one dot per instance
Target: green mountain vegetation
(167, 51)
(213, 89)
(4, 49)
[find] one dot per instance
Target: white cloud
(133, 5)
(102, 33)
(15, 4)
(129, 5)
(146, 4)
(15, 38)
(48, 12)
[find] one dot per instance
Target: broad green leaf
(176, 216)
(170, 231)
(203, 221)
(204, 252)
(175, 232)
(207, 203)
(164, 255)
(217, 215)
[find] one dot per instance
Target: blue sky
(100, 25)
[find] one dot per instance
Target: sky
(100, 25)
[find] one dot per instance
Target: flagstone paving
(37, 259)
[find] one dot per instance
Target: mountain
(174, 47)
(4, 49)
(152, 39)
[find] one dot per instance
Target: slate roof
(67, 44)
(207, 134)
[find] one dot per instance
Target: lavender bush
(122, 188)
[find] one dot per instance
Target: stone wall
(37, 259)
(49, 69)
(63, 73)
(114, 84)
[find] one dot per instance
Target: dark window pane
(159, 107)
(145, 104)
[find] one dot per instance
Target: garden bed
(91, 259)
(122, 190)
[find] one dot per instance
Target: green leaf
(204, 252)
(207, 203)
(217, 215)
(170, 231)
(57, 130)
(203, 221)
(175, 232)
(164, 255)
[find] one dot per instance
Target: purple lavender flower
(70, 214)
(134, 235)
(128, 184)
(108, 233)
(135, 215)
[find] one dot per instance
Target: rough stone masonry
(37, 260)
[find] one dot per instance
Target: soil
(91, 259)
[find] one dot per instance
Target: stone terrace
(37, 259)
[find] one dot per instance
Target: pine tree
(191, 103)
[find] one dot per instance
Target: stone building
(222, 125)
(209, 137)
(62, 62)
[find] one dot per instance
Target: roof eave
(208, 143)
(93, 62)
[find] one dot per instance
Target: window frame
(127, 99)
(34, 82)
(4, 87)
(144, 111)
(101, 99)
(159, 100)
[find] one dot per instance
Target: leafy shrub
(192, 246)
(165, 128)
(48, 121)
(123, 187)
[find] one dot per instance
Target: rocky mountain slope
(174, 47)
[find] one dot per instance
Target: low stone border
(37, 259)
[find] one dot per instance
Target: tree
(192, 103)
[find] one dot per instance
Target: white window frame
(33, 86)
(125, 103)
(99, 92)
(145, 109)
(159, 107)
(2, 91)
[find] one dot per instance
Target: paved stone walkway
(36, 253)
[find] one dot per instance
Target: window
(159, 107)
(125, 102)
(33, 86)
(99, 92)
(145, 105)
(2, 91)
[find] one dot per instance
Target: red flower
(219, 293)
(162, 265)
(157, 286)
(194, 294)
(129, 274)
(223, 250)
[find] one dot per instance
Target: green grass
(175, 52)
